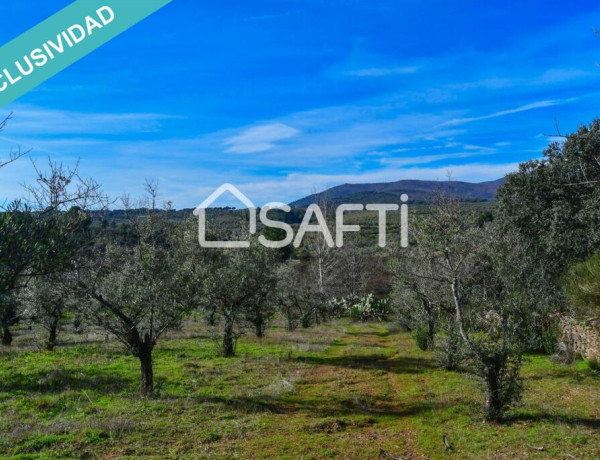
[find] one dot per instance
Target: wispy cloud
(260, 138)
(424, 159)
(502, 113)
(31, 120)
(381, 71)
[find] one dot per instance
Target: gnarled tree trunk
(260, 330)
(147, 374)
(52, 333)
(291, 320)
(228, 339)
(493, 400)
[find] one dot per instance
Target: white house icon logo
(200, 211)
(312, 213)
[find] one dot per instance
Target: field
(341, 390)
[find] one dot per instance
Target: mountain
(389, 192)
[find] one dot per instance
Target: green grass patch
(341, 390)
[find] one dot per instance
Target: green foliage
(449, 349)
(479, 269)
(36, 243)
(137, 292)
(339, 307)
(367, 308)
(583, 286)
(278, 234)
(296, 297)
(552, 202)
(239, 284)
(421, 336)
(593, 364)
(47, 301)
(548, 337)
(371, 308)
(484, 217)
(498, 363)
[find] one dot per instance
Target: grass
(335, 391)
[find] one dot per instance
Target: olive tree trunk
(147, 374)
(228, 339)
(52, 334)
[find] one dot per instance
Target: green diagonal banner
(63, 39)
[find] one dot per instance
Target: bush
(593, 364)
(368, 308)
(449, 348)
(548, 338)
(421, 336)
(583, 286)
(338, 307)
(498, 364)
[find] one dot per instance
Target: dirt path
(346, 403)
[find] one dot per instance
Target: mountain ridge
(417, 191)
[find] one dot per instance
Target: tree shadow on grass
(396, 365)
(371, 333)
(593, 423)
(566, 373)
(319, 407)
(59, 381)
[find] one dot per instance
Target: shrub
(338, 307)
(449, 349)
(548, 338)
(368, 308)
(498, 364)
(583, 286)
(421, 336)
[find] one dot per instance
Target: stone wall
(582, 336)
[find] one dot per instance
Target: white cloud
(382, 71)
(502, 113)
(424, 159)
(260, 138)
(32, 121)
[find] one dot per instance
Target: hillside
(417, 191)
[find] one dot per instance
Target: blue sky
(284, 97)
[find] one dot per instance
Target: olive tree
(297, 296)
(478, 268)
(137, 291)
(419, 293)
(42, 235)
(239, 285)
(47, 300)
(357, 263)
